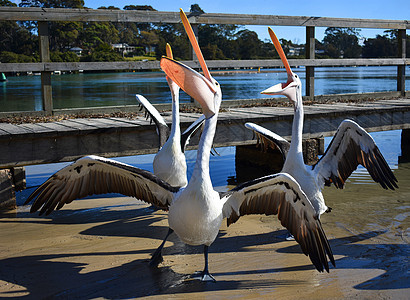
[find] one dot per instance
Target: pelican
(169, 163)
(196, 211)
(350, 146)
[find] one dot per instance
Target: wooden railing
(45, 15)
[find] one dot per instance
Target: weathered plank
(14, 130)
(86, 15)
(212, 64)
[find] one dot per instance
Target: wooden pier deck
(66, 140)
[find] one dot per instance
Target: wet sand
(100, 248)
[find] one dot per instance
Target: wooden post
(195, 30)
(7, 193)
(401, 70)
(310, 54)
(46, 90)
(405, 146)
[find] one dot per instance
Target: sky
(363, 9)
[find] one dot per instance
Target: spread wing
(268, 139)
(97, 175)
(280, 194)
(352, 146)
(154, 115)
(186, 135)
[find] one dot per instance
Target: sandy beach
(100, 248)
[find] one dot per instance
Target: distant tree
(212, 52)
(57, 56)
(16, 38)
(149, 38)
(139, 7)
(381, 46)
(196, 9)
(52, 3)
(95, 34)
(248, 44)
(63, 35)
(11, 57)
(109, 7)
(342, 42)
(175, 35)
(103, 52)
(393, 34)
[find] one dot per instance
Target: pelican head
(203, 88)
(292, 88)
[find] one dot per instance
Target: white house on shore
(123, 48)
(77, 50)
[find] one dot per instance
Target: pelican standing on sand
(350, 146)
(196, 211)
(169, 163)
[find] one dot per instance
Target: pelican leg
(205, 276)
(156, 257)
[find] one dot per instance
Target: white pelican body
(200, 228)
(351, 146)
(294, 163)
(169, 164)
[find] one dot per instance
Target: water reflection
(104, 89)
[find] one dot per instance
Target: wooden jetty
(67, 140)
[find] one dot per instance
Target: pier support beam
(252, 162)
(405, 146)
(11, 181)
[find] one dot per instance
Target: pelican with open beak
(350, 146)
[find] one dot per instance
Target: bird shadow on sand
(66, 275)
(43, 276)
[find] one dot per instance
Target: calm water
(104, 89)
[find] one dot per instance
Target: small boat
(3, 77)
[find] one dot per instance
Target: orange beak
(200, 87)
(281, 88)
